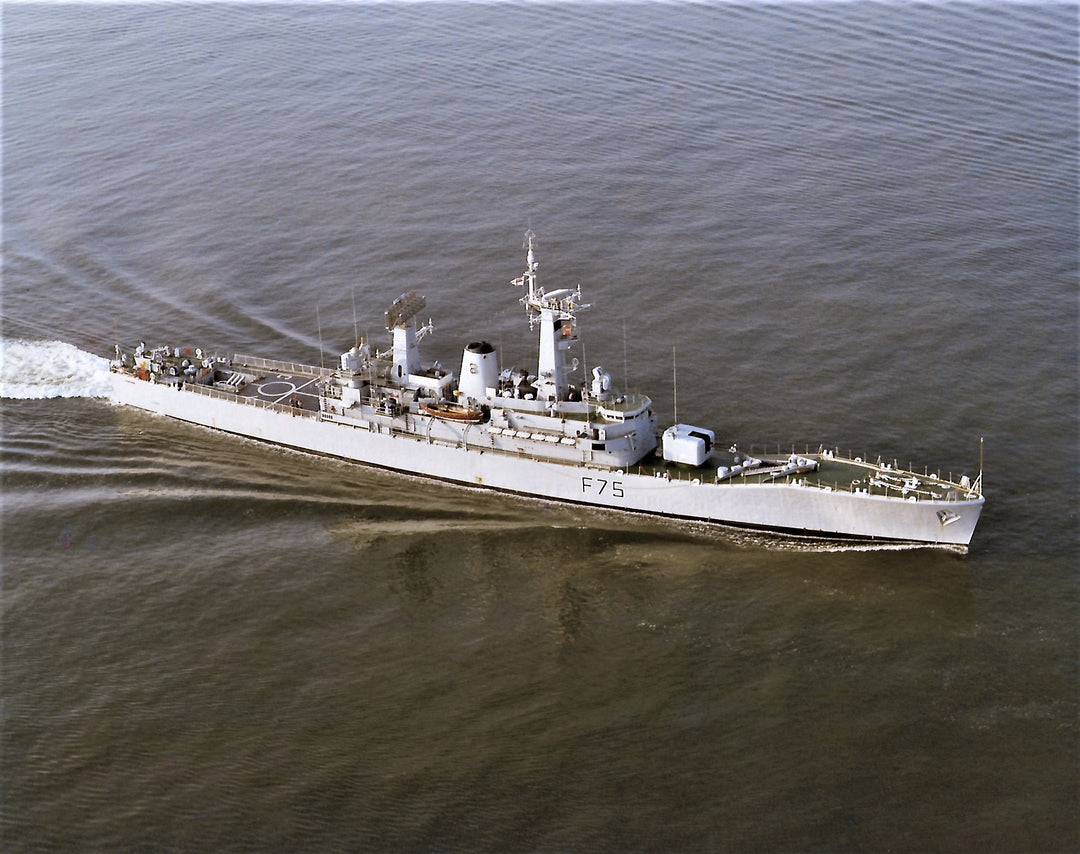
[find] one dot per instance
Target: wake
(34, 370)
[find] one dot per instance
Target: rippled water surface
(853, 224)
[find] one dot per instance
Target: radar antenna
(404, 309)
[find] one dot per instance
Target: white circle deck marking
(287, 388)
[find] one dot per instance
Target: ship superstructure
(541, 434)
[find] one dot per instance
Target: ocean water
(851, 224)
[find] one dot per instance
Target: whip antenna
(355, 334)
(675, 383)
(318, 323)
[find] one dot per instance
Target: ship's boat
(454, 412)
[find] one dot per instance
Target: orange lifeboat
(454, 412)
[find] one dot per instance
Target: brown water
(857, 225)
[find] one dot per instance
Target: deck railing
(233, 397)
(851, 458)
(281, 367)
(953, 491)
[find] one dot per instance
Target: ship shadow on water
(580, 566)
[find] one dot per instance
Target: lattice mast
(555, 314)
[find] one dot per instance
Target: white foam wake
(40, 369)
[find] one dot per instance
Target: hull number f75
(601, 486)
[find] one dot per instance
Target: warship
(541, 434)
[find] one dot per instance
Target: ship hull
(452, 454)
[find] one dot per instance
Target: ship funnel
(479, 371)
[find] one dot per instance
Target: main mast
(555, 314)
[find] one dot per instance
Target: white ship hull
(469, 455)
